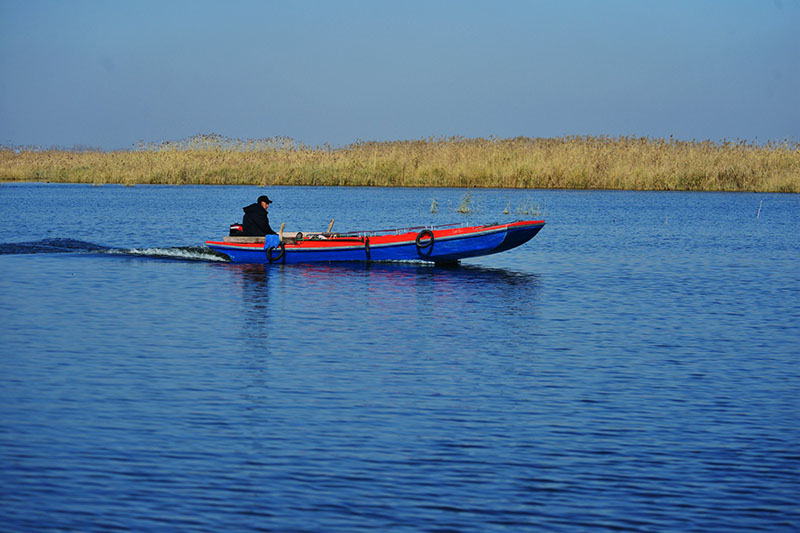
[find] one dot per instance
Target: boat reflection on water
(254, 279)
(394, 296)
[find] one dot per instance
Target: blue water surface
(633, 367)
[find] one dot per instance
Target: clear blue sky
(111, 73)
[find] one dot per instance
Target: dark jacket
(255, 221)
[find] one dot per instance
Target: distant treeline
(634, 163)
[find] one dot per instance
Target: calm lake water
(633, 367)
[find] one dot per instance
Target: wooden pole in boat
(280, 232)
(330, 226)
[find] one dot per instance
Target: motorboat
(438, 244)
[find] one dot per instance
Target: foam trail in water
(52, 246)
(187, 253)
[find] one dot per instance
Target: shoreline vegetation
(629, 163)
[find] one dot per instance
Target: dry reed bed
(567, 163)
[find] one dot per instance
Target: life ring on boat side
(278, 257)
(422, 235)
(366, 247)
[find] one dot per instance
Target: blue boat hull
(448, 246)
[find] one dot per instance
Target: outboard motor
(236, 230)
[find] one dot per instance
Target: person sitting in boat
(255, 221)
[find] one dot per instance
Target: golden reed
(634, 163)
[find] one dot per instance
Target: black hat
(263, 199)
